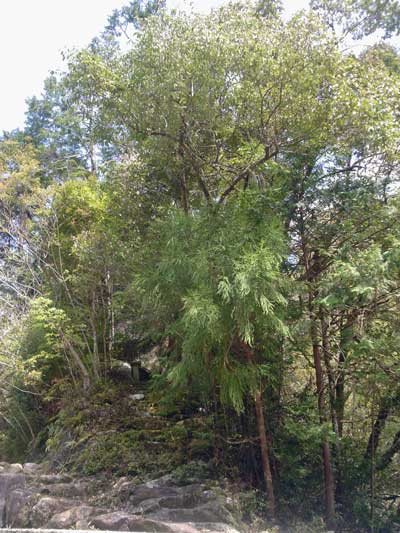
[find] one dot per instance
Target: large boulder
(32, 469)
(69, 518)
(140, 493)
(46, 508)
(121, 372)
(18, 507)
(8, 482)
(15, 468)
(121, 521)
(48, 479)
(214, 527)
(77, 489)
(206, 512)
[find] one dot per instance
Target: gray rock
(184, 528)
(208, 512)
(163, 481)
(121, 372)
(31, 469)
(151, 359)
(141, 493)
(14, 468)
(47, 479)
(46, 507)
(146, 507)
(124, 487)
(120, 482)
(69, 518)
(208, 527)
(216, 527)
(8, 482)
(67, 490)
(136, 397)
(121, 521)
(18, 506)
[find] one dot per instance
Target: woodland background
(222, 189)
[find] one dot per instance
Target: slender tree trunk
(111, 320)
(326, 452)
(387, 457)
(377, 428)
(96, 357)
(340, 382)
(265, 453)
(336, 421)
(262, 433)
(79, 363)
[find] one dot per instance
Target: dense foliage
(222, 189)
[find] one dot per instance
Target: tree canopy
(223, 188)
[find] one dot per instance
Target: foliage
(220, 191)
(213, 281)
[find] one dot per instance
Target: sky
(33, 33)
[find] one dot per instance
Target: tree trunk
(95, 354)
(336, 420)
(326, 452)
(262, 432)
(79, 363)
(387, 457)
(265, 454)
(378, 427)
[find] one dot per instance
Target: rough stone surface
(8, 482)
(121, 521)
(47, 507)
(31, 469)
(17, 507)
(67, 490)
(47, 479)
(209, 512)
(136, 397)
(140, 493)
(37, 500)
(70, 517)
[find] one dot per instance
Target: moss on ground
(113, 434)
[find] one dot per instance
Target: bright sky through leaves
(33, 34)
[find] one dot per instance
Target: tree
(213, 282)
(360, 18)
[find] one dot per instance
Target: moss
(108, 433)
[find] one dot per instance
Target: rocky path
(33, 498)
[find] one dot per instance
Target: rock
(18, 506)
(151, 360)
(69, 518)
(216, 527)
(82, 524)
(67, 490)
(121, 372)
(125, 488)
(47, 479)
(208, 512)
(121, 521)
(136, 397)
(8, 482)
(14, 468)
(147, 506)
(163, 481)
(31, 468)
(184, 528)
(213, 527)
(140, 493)
(46, 507)
(120, 482)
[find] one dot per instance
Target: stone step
(19, 530)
